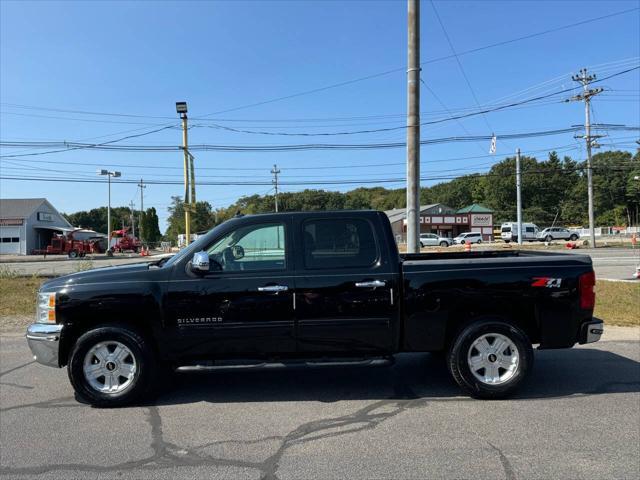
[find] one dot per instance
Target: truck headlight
(46, 311)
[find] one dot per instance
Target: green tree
(202, 219)
(150, 226)
(96, 219)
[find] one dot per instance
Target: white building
(27, 224)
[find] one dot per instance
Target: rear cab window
(339, 243)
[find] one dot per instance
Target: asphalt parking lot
(578, 417)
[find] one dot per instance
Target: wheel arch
(459, 322)
(73, 331)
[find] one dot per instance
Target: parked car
(468, 237)
(509, 232)
(433, 240)
(314, 288)
(557, 233)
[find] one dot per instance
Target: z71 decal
(546, 282)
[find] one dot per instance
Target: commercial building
(27, 224)
(445, 221)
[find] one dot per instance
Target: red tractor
(123, 240)
(62, 243)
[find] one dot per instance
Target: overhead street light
(109, 174)
(181, 108)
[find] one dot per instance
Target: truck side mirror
(200, 262)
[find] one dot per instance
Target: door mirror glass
(200, 262)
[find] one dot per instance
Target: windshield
(196, 246)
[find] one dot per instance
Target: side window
(251, 248)
(338, 243)
(529, 230)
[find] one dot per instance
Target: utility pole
(133, 220)
(519, 196)
(142, 187)
(275, 171)
(585, 96)
(413, 126)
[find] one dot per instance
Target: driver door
(244, 305)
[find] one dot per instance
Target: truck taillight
(587, 287)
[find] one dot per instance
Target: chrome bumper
(44, 342)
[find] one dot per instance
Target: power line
(453, 50)
(431, 122)
(543, 171)
(108, 146)
(85, 146)
(369, 165)
(445, 57)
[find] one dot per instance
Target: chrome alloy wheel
(110, 367)
(493, 359)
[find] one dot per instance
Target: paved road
(613, 263)
(577, 418)
(60, 265)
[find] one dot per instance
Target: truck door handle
(273, 288)
(371, 284)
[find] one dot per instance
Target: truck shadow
(556, 373)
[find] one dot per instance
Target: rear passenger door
(345, 287)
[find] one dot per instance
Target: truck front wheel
(490, 359)
(111, 366)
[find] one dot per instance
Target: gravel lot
(576, 418)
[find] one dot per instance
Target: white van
(509, 232)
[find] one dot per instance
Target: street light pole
(181, 108)
(109, 174)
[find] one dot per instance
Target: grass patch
(18, 295)
(618, 303)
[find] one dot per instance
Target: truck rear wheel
(490, 359)
(73, 254)
(111, 366)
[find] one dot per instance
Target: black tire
(548, 238)
(459, 367)
(421, 245)
(479, 241)
(143, 379)
(573, 237)
(444, 244)
(507, 241)
(73, 254)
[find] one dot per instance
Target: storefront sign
(45, 217)
(482, 220)
(6, 222)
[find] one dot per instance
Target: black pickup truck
(317, 288)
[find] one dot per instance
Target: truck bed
(538, 290)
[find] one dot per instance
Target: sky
(96, 72)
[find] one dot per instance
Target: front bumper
(591, 331)
(44, 342)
